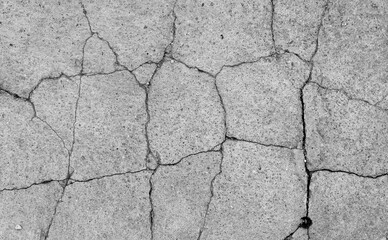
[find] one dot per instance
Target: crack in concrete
(271, 24)
(301, 97)
(350, 173)
(261, 144)
(350, 98)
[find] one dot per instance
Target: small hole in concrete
(306, 222)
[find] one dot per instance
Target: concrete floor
(185, 119)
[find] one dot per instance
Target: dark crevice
(262, 144)
(289, 236)
(271, 24)
(29, 186)
(350, 173)
(303, 117)
(72, 180)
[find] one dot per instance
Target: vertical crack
(306, 221)
(271, 24)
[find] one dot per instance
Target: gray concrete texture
(194, 120)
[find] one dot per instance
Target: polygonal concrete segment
(98, 57)
(353, 49)
(27, 213)
(260, 193)
(181, 194)
(39, 39)
(144, 72)
(185, 111)
(211, 34)
(30, 151)
(345, 207)
(110, 208)
(262, 100)
(295, 25)
(55, 102)
(138, 31)
(109, 133)
(344, 134)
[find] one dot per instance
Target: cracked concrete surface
(184, 119)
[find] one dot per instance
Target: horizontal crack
(31, 185)
(262, 144)
(348, 172)
(72, 180)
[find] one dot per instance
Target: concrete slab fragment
(344, 134)
(55, 101)
(344, 206)
(110, 208)
(26, 214)
(39, 39)
(30, 151)
(185, 112)
(138, 31)
(262, 100)
(260, 193)
(211, 34)
(109, 134)
(353, 49)
(181, 194)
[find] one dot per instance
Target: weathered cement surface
(193, 120)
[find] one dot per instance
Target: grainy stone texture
(345, 134)
(345, 207)
(25, 214)
(181, 195)
(39, 39)
(211, 34)
(109, 132)
(262, 100)
(186, 113)
(30, 151)
(193, 120)
(110, 208)
(260, 190)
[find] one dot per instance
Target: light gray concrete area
(194, 120)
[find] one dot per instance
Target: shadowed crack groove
(31, 185)
(271, 25)
(262, 144)
(348, 172)
(301, 97)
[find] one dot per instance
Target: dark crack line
(303, 117)
(31, 185)
(272, 23)
(350, 173)
(289, 236)
(261, 144)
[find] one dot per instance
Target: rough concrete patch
(181, 194)
(260, 193)
(344, 134)
(344, 206)
(109, 208)
(211, 34)
(138, 31)
(353, 49)
(98, 57)
(144, 72)
(109, 134)
(26, 214)
(55, 103)
(39, 39)
(295, 25)
(30, 151)
(262, 100)
(186, 113)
